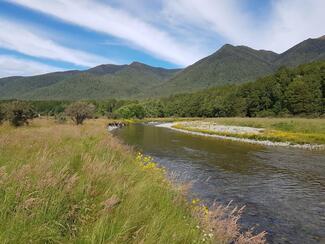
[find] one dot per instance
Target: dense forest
(296, 91)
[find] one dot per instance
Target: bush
(130, 111)
(18, 112)
(79, 111)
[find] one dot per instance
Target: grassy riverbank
(61, 183)
(66, 183)
(294, 130)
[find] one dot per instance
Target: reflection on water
(283, 189)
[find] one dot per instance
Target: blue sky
(39, 36)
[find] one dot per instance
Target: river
(282, 188)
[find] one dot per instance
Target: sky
(41, 36)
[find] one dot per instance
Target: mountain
(238, 64)
(104, 81)
(304, 52)
(229, 65)
(16, 87)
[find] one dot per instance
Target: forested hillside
(307, 51)
(297, 91)
(104, 81)
(229, 65)
(238, 64)
(16, 87)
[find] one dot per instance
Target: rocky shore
(235, 130)
(115, 125)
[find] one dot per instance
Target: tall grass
(61, 183)
(64, 183)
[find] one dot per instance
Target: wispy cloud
(24, 39)
(292, 21)
(177, 31)
(102, 17)
(223, 17)
(287, 22)
(13, 66)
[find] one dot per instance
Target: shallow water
(283, 188)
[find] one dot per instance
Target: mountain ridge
(228, 65)
(238, 64)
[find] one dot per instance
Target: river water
(283, 189)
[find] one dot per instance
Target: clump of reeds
(220, 224)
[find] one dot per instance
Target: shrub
(18, 112)
(79, 111)
(130, 111)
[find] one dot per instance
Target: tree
(234, 105)
(153, 109)
(303, 97)
(131, 111)
(18, 112)
(79, 111)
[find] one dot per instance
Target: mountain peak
(321, 38)
(105, 69)
(230, 50)
(137, 64)
(225, 49)
(227, 46)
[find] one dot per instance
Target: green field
(295, 130)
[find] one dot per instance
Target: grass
(294, 130)
(65, 183)
(61, 183)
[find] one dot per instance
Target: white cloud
(21, 38)
(293, 21)
(13, 66)
(288, 21)
(103, 18)
(223, 17)
(183, 31)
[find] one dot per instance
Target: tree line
(297, 91)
